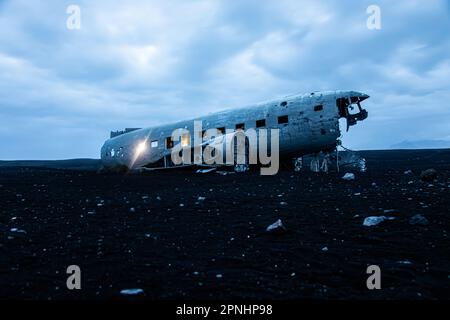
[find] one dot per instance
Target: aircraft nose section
(349, 105)
(362, 96)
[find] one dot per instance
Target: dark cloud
(145, 62)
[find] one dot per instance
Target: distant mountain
(422, 144)
(69, 164)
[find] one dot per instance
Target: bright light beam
(140, 149)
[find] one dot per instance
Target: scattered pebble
(150, 236)
(373, 221)
(16, 230)
(224, 173)
(276, 228)
(349, 176)
(206, 170)
(131, 292)
(428, 175)
(418, 219)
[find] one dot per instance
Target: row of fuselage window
(185, 138)
(240, 126)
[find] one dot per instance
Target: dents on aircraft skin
(307, 125)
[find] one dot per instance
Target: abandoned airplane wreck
(306, 124)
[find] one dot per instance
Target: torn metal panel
(350, 108)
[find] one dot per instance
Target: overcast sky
(140, 63)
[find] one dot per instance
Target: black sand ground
(152, 232)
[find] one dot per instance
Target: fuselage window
(185, 140)
(261, 123)
(154, 144)
(240, 126)
(318, 108)
(283, 119)
(169, 143)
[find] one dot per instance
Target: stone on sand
(418, 219)
(428, 175)
(349, 176)
(276, 228)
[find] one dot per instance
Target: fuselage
(307, 124)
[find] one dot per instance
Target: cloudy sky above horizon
(140, 63)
